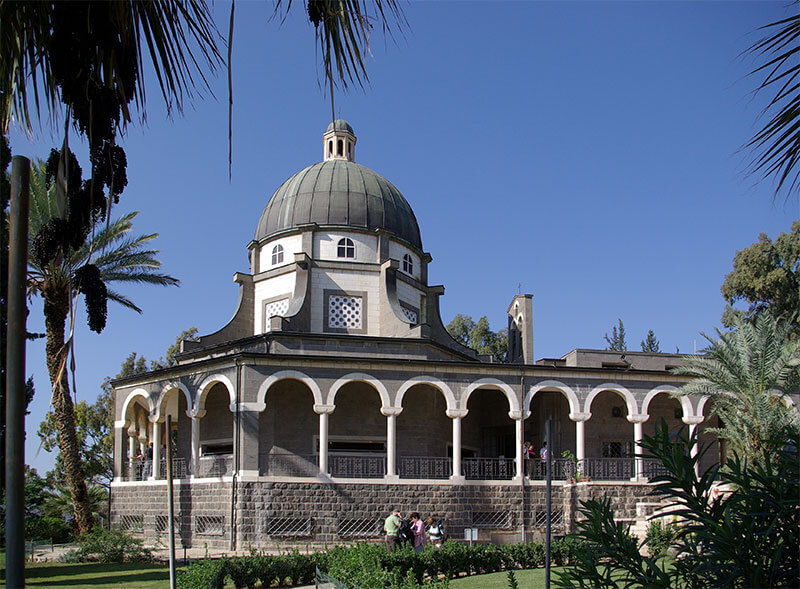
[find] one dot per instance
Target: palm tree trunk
(56, 307)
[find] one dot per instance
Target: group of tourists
(530, 455)
(412, 530)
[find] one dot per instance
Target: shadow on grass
(109, 579)
(46, 570)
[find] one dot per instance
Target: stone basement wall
(273, 514)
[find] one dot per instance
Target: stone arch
(492, 383)
(205, 387)
(131, 396)
(261, 397)
(630, 401)
(360, 377)
(566, 390)
(441, 386)
(162, 396)
(686, 404)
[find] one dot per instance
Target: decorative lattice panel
(288, 527)
(209, 525)
(556, 518)
(410, 315)
(344, 312)
(365, 527)
(276, 308)
(495, 520)
(131, 523)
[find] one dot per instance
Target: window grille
(131, 523)
(408, 264)
(162, 524)
(365, 527)
(496, 520)
(209, 525)
(289, 527)
(346, 248)
(410, 315)
(277, 255)
(556, 518)
(274, 308)
(344, 312)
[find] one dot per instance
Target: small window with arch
(346, 248)
(408, 264)
(277, 255)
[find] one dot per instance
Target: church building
(335, 394)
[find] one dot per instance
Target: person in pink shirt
(418, 528)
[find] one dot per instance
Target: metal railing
(651, 468)
(488, 469)
(562, 469)
(287, 464)
(136, 470)
(180, 468)
(215, 466)
(425, 467)
(608, 469)
(357, 466)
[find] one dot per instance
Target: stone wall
(287, 513)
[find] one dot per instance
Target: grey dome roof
(339, 125)
(339, 193)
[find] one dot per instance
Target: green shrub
(110, 546)
(242, 571)
(264, 569)
(48, 528)
(660, 536)
(203, 574)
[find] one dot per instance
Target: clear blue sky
(586, 151)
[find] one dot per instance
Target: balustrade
(488, 469)
(425, 467)
(356, 466)
(215, 466)
(287, 464)
(179, 469)
(608, 469)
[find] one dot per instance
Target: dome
(339, 193)
(340, 125)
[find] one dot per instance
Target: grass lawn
(94, 575)
(529, 579)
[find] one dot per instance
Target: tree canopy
(617, 341)
(650, 343)
(766, 276)
(479, 336)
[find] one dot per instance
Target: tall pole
(15, 372)
(547, 503)
(170, 499)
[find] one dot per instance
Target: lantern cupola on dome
(339, 141)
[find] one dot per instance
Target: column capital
(453, 413)
(579, 416)
(519, 415)
(389, 411)
(638, 417)
(249, 406)
(320, 409)
(693, 419)
(196, 414)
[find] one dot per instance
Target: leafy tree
(62, 267)
(188, 334)
(747, 536)
(479, 336)
(766, 276)
(617, 341)
(650, 343)
(745, 372)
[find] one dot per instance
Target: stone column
(391, 414)
(120, 432)
(156, 439)
(519, 424)
(637, 421)
(196, 416)
(249, 444)
(456, 415)
(323, 411)
(693, 421)
(580, 420)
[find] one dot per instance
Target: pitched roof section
(339, 193)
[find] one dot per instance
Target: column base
(391, 478)
(458, 480)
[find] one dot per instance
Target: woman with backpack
(435, 531)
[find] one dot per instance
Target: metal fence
(180, 469)
(287, 464)
(364, 527)
(289, 527)
(357, 466)
(608, 469)
(488, 469)
(561, 469)
(425, 467)
(494, 520)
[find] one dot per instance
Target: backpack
(404, 534)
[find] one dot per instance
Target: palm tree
(116, 257)
(747, 372)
